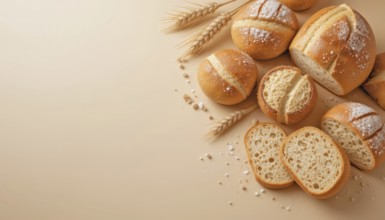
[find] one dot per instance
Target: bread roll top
(269, 11)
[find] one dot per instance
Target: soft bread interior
(356, 149)
(310, 67)
(263, 144)
(277, 86)
(298, 96)
(286, 91)
(314, 160)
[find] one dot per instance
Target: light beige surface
(91, 127)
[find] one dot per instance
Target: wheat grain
(228, 121)
(183, 19)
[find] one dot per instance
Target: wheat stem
(183, 19)
(229, 120)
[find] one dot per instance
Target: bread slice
(286, 95)
(359, 130)
(334, 44)
(262, 143)
(375, 86)
(318, 165)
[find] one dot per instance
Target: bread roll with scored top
(336, 46)
(228, 76)
(298, 5)
(262, 143)
(317, 164)
(264, 28)
(375, 86)
(359, 130)
(286, 95)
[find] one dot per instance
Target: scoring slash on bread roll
(286, 95)
(228, 76)
(375, 86)
(262, 143)
(336, 46)
(359, 130)
(298, 5)
(264, 29)
(318, 165)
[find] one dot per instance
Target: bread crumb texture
(362, 135)
(314, 160)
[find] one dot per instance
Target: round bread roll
(359, 130)
(336, 47)
(264, 29)
(228, 76)
(375, 86)
(298, 5)
(286, 95)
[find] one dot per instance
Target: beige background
(91, 126)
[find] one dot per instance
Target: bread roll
(262, 143)
(318, 165)
(359, 130)
(228, 76)
(336, 46)
(264, 29)
(298, 5)
(285, 95)
(375, 86)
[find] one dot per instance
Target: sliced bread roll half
(375, 86)
(286, 95)
(359, 130)
(318, 165)
(262, 143)
(334, 45)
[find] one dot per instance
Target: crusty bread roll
(262, 143)
(359, 130)
(336, 46)
(286, 95)
(298, 5)
(375, 86)
(264, 29)
(228, 76)
(318, 165)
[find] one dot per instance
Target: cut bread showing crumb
(358, 129)
(286, 95)
(318, 165)
(355, 148)
(262, 143)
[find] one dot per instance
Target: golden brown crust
(291, 118)
(240, 66)
(346, 49)
(298, 5)
(375, 143)
(340, 182)
(259, 180)
(271, 36)
(374, 87)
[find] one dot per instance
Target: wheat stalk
(228, 121)
(183, 19)
(198, 41)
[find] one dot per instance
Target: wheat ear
(228, 121)
(198, 41)
(183, 19)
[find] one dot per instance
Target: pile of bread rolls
(335, 48)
